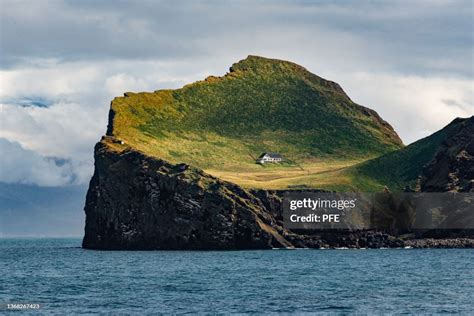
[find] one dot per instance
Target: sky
(62, 62)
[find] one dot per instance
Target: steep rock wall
(139, 202)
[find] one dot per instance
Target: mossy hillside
(223, 123)
(400, 168)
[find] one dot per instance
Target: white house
(269, 157)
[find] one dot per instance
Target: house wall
(270, 159)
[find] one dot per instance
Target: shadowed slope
(404, 167)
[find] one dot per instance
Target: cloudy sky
(61, 62)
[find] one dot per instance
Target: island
(177, 168)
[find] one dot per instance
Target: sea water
(63, 279)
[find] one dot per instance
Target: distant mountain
(261, 105)
(443, 161)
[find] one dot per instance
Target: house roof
(271, 155)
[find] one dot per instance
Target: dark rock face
(452, 168)
(138, 202)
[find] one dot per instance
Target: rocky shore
(440, 243)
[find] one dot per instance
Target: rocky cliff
(452, 168)
(140, 202)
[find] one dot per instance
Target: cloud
(48, 81)
(61, 62)
(60, 110)
(420, 37)
(61, 130)
(65, 131)
(19, 165)
(69, 31)
(415, 106)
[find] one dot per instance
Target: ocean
(65, 279)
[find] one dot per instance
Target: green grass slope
(221, 124)
(400, 168)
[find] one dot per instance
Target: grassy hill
(402, 167)
(221, 124)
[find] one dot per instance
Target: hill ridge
(404, 167)
(256, 63)
(260, 105)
